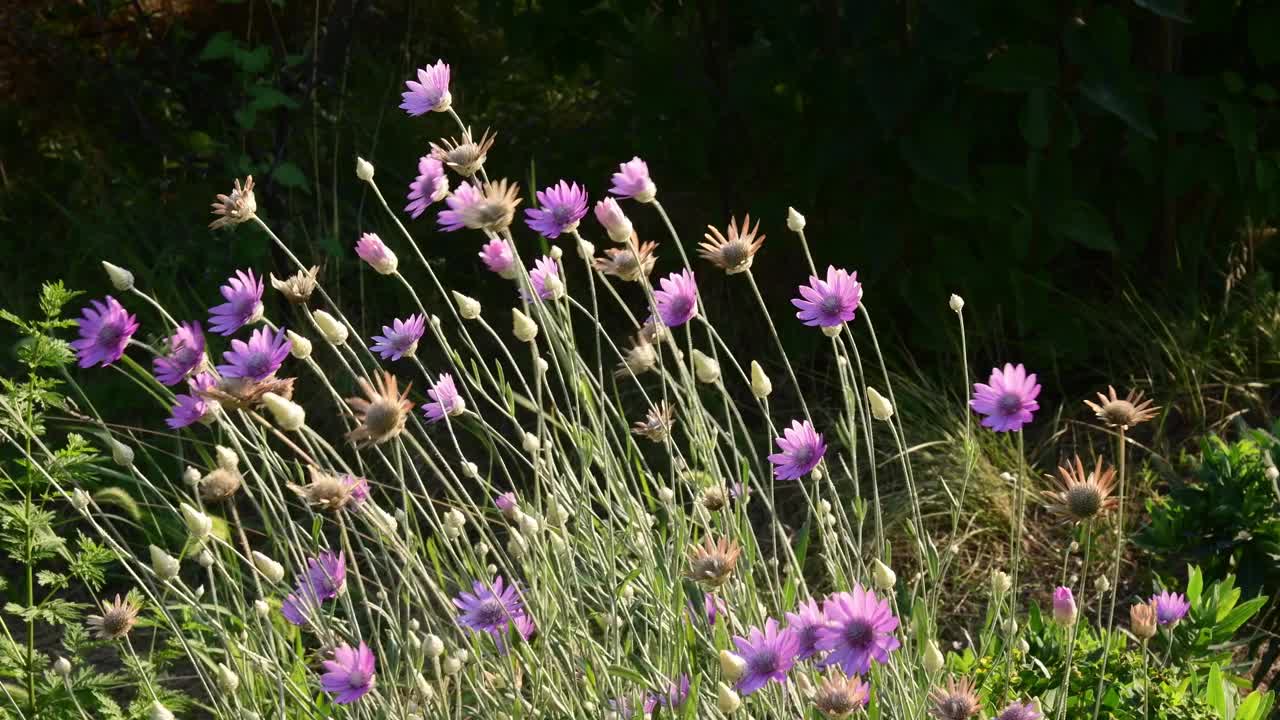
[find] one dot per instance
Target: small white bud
(761, 385)
(1103, 584)
(530, 443)
(332, 329)
(1000, 582)
(62, 666)
(288, 415)
(817, 473)
(805, 686)
(542, 364)
(270, 569)
(586, 250)
(554, 286)
(80, 500)
(436, 321)
(732, 665)
(121, 454)
(192, 476)
(933, 661)
(824, 508)
(160, 712)
(455, 519)
(882, 575)
(205, 558)
(956, 302)
(451, 666)
(262, 608)
(299, 346)
(727, 701)
(227, 458)
(227, 679)
(470, 469)
(164, 564)
(516, 545)
(468, 307)
(462, 655)
(523, 327)
(666, 495)
(707, 369)
(795, 221)
(198, 524)
(881, 408)
(433, 646)
(364, 169)
(1023, 645)
(121, 279)
(1272, 473)
(529, 525)
(1011, 626)
(556, 253)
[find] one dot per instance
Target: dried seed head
(117, 619)
(630, 263)
(1142, 620)
(297, 288)
(640, 358)
(495, 209)
(1083, 495)
(1125, 412)
(713, 562)
(954, 701)
(220, 485)
(243, 393)
(328, 491)
(839, 697)
(381, 413)
(240, 206)
(715, 498)
(657, 424)
(735, 253)
(465, 155)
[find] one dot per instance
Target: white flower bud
(881, 408)
(817, 473)
(270, 569)
(1023, 645)
(164, 564)
(529, 524)
(530, 443)
(805, 686)
(332, 329)
(956, 302)
(227, 679)
(62, 666)
(727, 701)
(933, 661)
(824, 508)
(120, 278)
(795, 221)
(761, 385)
(191, 476)
(121, 454)
(468, 307)
(262, 608)
(832, 330)
(364, 169)
(523, 327)
(288, 414)
(733, 666)
(227, 458)
(554, 286)
(198, 524)
(205, 558)
(1272, 473)
(160, 712)
(707, 369)
(556, 253)
(666, 495)
(470, 469)
(516, 545)
(300, 347)
(433, 646)
(455, 519)
(1103, 584)
(882, 575)
(586, 250)
(1000, 582)
(80, 500)
(451, 666)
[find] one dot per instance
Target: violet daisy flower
(257, 359)
(431, 186)
(560, 209)
(677, 300)
(632, 181)
(545, 279)
(466, 196)
(800, 450)
(243, 294)
(191, 408)
(446, 400)
(372, 250)
(430, 93)
(400, 338)
(805, 624)
(327, 575)
(830, 302)
(768, 654)
(105, 330)
(490, 610)
(1020, 711)
(350, 674)
(859, 629)
(1170, 607)
(1008, 399)
(186, 352)
(673, 699)
(298, 606)
(497, 256)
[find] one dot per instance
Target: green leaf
(1252, 707)
(1019, 68)
(1239, 616)
(1195, 584)
(1118, 95)
(221, 45)
(253, 61)
(1084, 224)
(1215, 694)
(1264, 29)
(290, 176)
(266, 97)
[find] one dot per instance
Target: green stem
(1015, 553)
(1115, 575)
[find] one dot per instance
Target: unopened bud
(262, 608)
(227, 458)
(707, 369)
(299, 346)
(227, 679)
(270, 569)
(433, 646)
(933, 659)
(364, 169)
(62, 666)
(1000, 582)
(80, 500)
(333, 330)
(159, 712)
(1103, 584)
(881, 408)
(586, 250)
(205, 558)
(761, 385)
(956, 302)
(288, 414)
(121, 454)
(523, 327)
(556, 253)
(468, 307)
(164, 564)
(727, 701)
(120, 278)
(883, 575)
(198, 524)
(733, 666)
(795, 221)
(531, 443)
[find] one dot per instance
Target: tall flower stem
(1115, 571)
(1015, 555)
(1075, 625)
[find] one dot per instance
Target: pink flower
(430, 93)
(632, 181)
(105, 331)
(1008, 399)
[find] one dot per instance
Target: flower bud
(933, 661)
(198, 524)
(761, 385)
(1064, 606)
(261, 607)
(707, 369)
(554, 286)
(530, 443)
(120, 278)
(795, 221)
(228, 681)
(523, 327)
(288, 414)
(1000, 582)
(80, 500)
(433, 646)
(300, 347)
(270, 569)
(121, 454)
(468, 308)
(1102, 584)
(556, 253)
(882, 575)
(1272, 473)
(956, 302)
(610, 215)
(159, 712)
(451, 666)
(227, 458)
(727, 701)
(62, 666)
(364, 169)
(1142, 620)
(164, 564)
(205, 558)
(373, 251)
(333, 330)
(881, 408)
(586, 250)
(666, 495)
(191, 476)
(733, 666)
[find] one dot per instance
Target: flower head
(240, 206)
(105, 330)
(243, 295)
(430, 93)
(712, 562)
(400, 338)
(464, 156)
(186, 353)
(768, 654)
(192, 408)
(830, 302)
(609, 214)
(657, 424)
(489, 609)
(640, 358)
(838, 696)
(673, 698)
(117, 619)
(333, 492)
(800, 450)
(299, 606)
(297, 288)
(632, 181)
(350, 674)
(1064, 606)
(497, 256)
(545, 279)
(1170, 607)
(1008, 399)
(257, 359)
(430, 186)
(220, 484)
(244, 393)
(560, 209)
(1143, 618)
(381, 412)
(1122, 412)
(735, 253)
(445, 400)
(1020, 711)
(508, 505)
(628, 263)
(372, 250)
(805, 623)
(859, 629)
(954, 701)
(677, 300)
(1084, 495)
(327, 575)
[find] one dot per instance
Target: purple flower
(1064, 606)
(1170, 607)
(490, 610)
(466, 196)
(191, 408)
(507, 503)
(1008, 399)
(430, 93)
(327, 575)
(544, 269)
(497, 256)
(350, 674)
(769, 655)
(1019, 711)
(673, 699)
(801, 448)
(677, 301)
(358, 488)
(299, 605)
(446, 399)
(561, 207)
(830, 302)
(243, 294)
(712, 608)
(257, 359)
(805, 624)
(859, 628)
(431, 186)
(527, 628)
(632, 181)
(400, 338)
(105, 330)
(186, 352)
(372, 250)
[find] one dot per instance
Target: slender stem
(1115, 571)
(1015, 554)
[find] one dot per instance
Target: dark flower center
(1084, 501)
(680, 307)
(357, 678)
(762, 662)
(560, 214)
(836, 702)
(858, 634)
(830, 304)
(954, 708)
(802, 455)
(491, 613)
(257, 365)
(1119, 412)
(110, 333)
(1009, 403)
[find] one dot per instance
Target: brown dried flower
(240, 206)
(243, 394)
(735, 253)
(496, 208)
(1084, 495)
(297, 288)
(954, 701)
(382, 415)
(656, 425)
(839, 696)
(713, 562)
(1142, 620)
(630, 263)
(117, 619)
(1125, 412)
(465, 156)
(220, 484)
